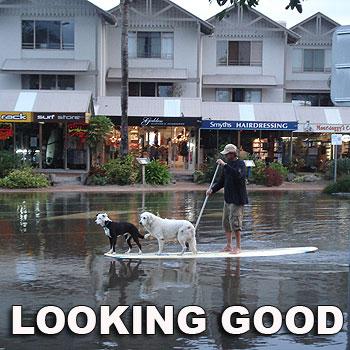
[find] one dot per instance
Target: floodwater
(51, 253)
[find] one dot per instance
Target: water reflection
(51, 253)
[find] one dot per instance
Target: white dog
(168, 229)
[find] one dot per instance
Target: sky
(338, 10)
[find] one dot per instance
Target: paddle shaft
(206, 197)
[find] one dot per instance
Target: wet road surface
(51, 253)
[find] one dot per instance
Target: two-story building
(46, 47)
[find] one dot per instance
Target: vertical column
(65, 146)
(41, 146)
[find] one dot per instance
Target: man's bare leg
(237, 250)
(228, 247)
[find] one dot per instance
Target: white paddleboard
(216, 255)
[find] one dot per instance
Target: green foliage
(121, 171)
(8, 162)
(342, 185)
(24, 178)
(98, 129)
(282, 170)
(258, 172)
(97, 177)
(206, 174)
(343, 168)
(157, 173)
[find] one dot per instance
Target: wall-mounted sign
(324, 128)
(16, 117)
(336, 139)
(243, 125)
(59, 117)
(160, 121)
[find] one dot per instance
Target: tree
(125, 78)
(293, 4)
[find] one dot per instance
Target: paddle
(206, 198)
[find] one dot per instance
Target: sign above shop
(160, 121)
(245, 125)
(59, 117)
(324, 128)
(16, 117)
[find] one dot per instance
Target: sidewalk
(178, 187)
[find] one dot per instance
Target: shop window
(239, 53)
(48, 82)
(237, 95)
(52, 151)
(58, 35)
(151, 45)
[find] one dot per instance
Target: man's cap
(230, 148)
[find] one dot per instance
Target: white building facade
(243, 68)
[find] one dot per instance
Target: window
(150, 89)
(223, 95)
(48, 82)
(238, 95)
(239, 53)
(58, 35)
(322, 100)
(151, 45)
(311, 60)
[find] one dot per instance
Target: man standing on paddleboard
(233, 180)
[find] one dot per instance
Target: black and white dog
(114, 229)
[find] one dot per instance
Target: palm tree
(125, 78)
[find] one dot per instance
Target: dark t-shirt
(233, 179)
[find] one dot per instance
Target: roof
(148, 106)
(45, 65)
(336, 24)
(239, 80)
(292, 36)
(45, 101)
(165, 74)
(108, 17)
(206, 28)
(271, 112)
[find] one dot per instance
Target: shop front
(261, 131)
(170, 140)
(312, 140)
(164, 129)
(47, 139)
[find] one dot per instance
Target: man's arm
(220, 184)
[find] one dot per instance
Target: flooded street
(51, 253)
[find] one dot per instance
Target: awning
(45, 101)
(323, 119)
(239, 80)
(58, 66)
(306, 85)
(160, 74)
(152, 111)
(248, 116)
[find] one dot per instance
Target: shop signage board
(324, 128)
(16, 117)
(337, 139)
(160, 121)
(248, 125)
(59, 117)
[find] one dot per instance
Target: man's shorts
(232, 217)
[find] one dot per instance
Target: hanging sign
(337, 139)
